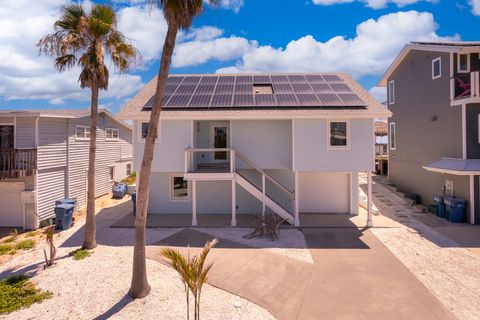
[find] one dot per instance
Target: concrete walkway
(354, 276)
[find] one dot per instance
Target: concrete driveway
(354, 276)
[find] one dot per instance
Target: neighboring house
(381, 147)
(246, 144)
(44, 157)
(433, 92)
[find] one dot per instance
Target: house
(250, 144)
(433, 92)
(381, 147)
(44, 157)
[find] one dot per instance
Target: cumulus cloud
(475, 7)
(234, 5)
(370, 52)
(379, 93)
(374, 4)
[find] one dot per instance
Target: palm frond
(181, 12)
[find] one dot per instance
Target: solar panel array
(237, 92)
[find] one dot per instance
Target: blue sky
(360, 37)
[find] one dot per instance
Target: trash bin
(134, 201)
(63, 215)
(439, 203)
(455, 209)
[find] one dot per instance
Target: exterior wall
(25, 132)
(472, 134)
(174, 137)
(311, 152)
(203, 139)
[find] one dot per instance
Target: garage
(11, 210)
(321, 192)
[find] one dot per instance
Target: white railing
(465, 88)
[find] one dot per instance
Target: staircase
(229, 171)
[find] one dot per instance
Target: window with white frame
(111, 134)
(111, 173)
(178, 188)
(143, 130)
(82, 133)
(338, 134)
(391, 92)
(393, 136)
(129, 169)
(463, 63)
(436, 68)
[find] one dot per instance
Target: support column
(297, 214)
(354, 193)
(234, 204)
(369, 200)
(194, 203)
(263, 198)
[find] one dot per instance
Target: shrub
(9, 239)
(80, 254)
(6, 249)
(25, 245)
(32, 234)
(131, 178)
(17, 292)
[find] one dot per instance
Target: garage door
(11, 208)
(324, 192)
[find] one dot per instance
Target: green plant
(80, 254)
(9, 239)
(6, 249)
(17, 292)
(25, 244)
(32, 234)
(131, 178)
(49, 232)
(193, 272)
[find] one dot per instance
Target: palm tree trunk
(90, 241)
(139, 287)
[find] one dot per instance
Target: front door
(6, 137)
(220, 140)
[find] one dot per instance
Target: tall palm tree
(179, 14)
(82, 39)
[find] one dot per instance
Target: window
(111, 134)
(82, 133)
(436, 68)
(463, 63)
(391, 92)
(393, 137)
(179, 188)
(111, 173)
(338, 134)
(129, 169)
(144, 130)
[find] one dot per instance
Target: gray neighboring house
(44, 157)
(434, 141)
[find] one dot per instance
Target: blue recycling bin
(134, 201)
(439, 202)
(66, 201)
(455, 210)
(64, 215)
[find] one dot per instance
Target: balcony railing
(465, 88)
(17, 163)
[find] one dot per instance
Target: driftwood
(53, 251)
(266, 225)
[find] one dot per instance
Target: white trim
(112, 177)
(452, 172)
(170, 183)
(293, 144)
(329, 146)
(85, 129)
(139, 129)
(113, 130)
(472, 200)
(234, 204)
(464, 131)
(391, 93)
(194, 203)
(297, 194)
(439, 60)
(192, 137)
(458, 63)
(452, 65)
(394, 130)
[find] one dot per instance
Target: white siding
(25, 132)
(51, 187)
(11, 213)
(159, 196)
(324, 192)
(311, 153)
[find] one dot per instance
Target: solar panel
(332, 78)
(297, 78)
(191, 80)
(301, 88)
(209, 80)
(308, 99)
(265, 100)
(149, 103)
(205, 89)
(224, 88)
(243, 100)
(226, 79)
(279, 79)
(329, 99)
(174, 80)
(321, 88)
(200, 100)
(244, 79)
(185, 89)
(243, 88)
(351, 99)
(282, 88)
(261, 79)
(315, 78)
(178, 101)
(169, 89)
(340, 88)
(221, 100)
(286, 100)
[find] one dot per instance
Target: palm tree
(179, 14)
(82, 39)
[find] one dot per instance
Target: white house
(245, 144)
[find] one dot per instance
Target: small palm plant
(193, 272)
(53, 251)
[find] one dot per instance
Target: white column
(194, 202)
(354, 193)
(297, 214)
(186, 161)
(234, 204)
(472, 200)
(263, 197)
(369, 200)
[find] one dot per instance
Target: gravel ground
(101, 293)
(451, 272)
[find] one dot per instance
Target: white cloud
(370, 52)
(374, 4)
(379, 93)
(234, 5)
(475, 7)
(56, 101)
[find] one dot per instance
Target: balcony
(464, 88)
(17, 163)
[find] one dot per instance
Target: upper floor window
(393, 136)
(144, 130)
(111, 134)
(338, 134)
(463, 63)
(436, 68)
(391, 92)
(82, 133)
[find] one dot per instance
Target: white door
(324, 192)
(11, 208)
(219, 137)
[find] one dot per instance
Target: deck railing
(465, 86)
(17, 163)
